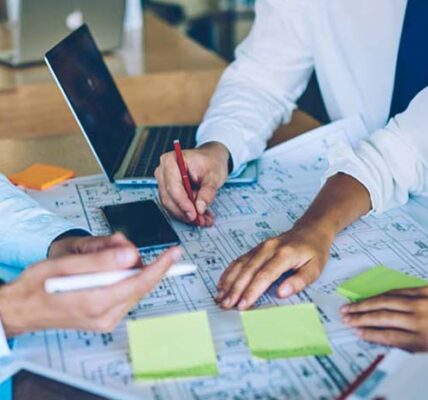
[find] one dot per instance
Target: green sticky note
(287, 331)
(172, 346)
(377, 280)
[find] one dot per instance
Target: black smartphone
(143, 223)
(28, 385)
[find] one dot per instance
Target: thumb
(297, 282)
(205, 197)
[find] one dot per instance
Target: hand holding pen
(207, 170)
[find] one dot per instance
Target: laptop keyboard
(159, 141)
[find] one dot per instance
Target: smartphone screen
(143, 223)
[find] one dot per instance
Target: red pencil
(184, 174)
(361, 378)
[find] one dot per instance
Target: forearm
(259, 90)
(340, 202)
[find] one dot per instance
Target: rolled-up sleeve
(26, 229)
(392, 164)
(258, 91)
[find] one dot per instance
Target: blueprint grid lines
(245, 216)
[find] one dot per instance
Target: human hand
(398, 318)
(303, 249)
(208, 170)
(25, 305)
(87, 244)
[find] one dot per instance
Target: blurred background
(217, 25)
(220, 25)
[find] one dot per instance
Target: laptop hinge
(129, 156)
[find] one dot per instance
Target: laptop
(36, 25)
(126, 153)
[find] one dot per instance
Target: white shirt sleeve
(26, 229)
(393, 163)
(258, 91)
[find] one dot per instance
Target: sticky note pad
(287, 331)
(377, 280)
(41, 176)
(172, 346)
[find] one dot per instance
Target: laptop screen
(88, 86)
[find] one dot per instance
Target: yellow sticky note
(172, 346)
(286, 331)
(41, 176)
(377, 280)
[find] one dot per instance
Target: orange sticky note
(41, 176)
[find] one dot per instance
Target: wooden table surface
(36, 125)
(157, 47)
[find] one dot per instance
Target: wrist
(9, 315)
(220, 152)
(63, 244)
(323, 230)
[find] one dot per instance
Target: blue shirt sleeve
(26, 229)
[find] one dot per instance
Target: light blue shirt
(26, 230)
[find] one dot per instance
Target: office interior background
(218, 25)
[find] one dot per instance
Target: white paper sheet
(400, 375)
(245, 215)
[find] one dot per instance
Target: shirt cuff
(208, 132)
(38, 238)
(342, 159)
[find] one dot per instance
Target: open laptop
(36, 25)
(126, 153)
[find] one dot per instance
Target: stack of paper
(288, 331)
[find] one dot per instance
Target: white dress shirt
(353, 46)
(26, 232)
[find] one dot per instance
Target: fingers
(302, 278)
(413, 292)
(246, 279)
(262, 280)
(105, 260)
(232, 272)
(101, 309)
(383, 302)
(381, 319)
(171, 190)
(391, 337)
(205, 220)
(93, 244)
(205, 196)
(247, 271)
(137, 287)
(255, 272)
(170, 205)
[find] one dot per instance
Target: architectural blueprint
(290, 176)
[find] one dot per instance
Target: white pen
(100, 279)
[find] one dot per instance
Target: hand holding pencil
(188, 198)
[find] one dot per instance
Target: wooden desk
(37, 126)
(157, 47)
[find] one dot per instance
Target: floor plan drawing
(245, 216)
